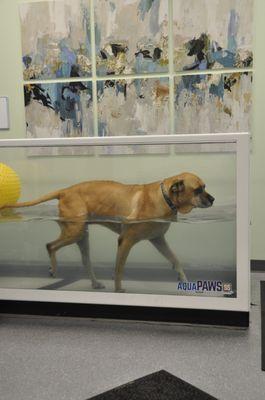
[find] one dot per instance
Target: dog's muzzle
(210, 199)
(205, 201)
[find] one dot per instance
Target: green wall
(257, 195)
(46, 170)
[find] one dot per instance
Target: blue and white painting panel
(62, 109)
(213, 103)
(212, 34)
(133, 107)
(131, 36)
(55, 39)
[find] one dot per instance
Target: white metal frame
(241, 303)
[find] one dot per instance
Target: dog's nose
(211, 198)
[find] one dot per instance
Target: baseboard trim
(257, 265)
(135, 313)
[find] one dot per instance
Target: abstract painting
(213, 103)
(55, 39)
(62, 109)
(133, 107)
(212, 34)
(131, 36)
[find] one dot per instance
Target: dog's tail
(42, 199)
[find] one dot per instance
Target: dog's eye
(198, 191)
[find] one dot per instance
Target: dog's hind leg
(71, 232)
(125, 244)
(49, 247)
(162, 246)
(83, 245)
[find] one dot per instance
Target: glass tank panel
(157, 220)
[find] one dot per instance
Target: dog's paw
(121, 290)
(52, 273)
(182, 277)
(98, 285)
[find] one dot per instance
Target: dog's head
(187, 191)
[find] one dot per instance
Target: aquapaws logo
(206, 286)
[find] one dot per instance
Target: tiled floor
(66, 358)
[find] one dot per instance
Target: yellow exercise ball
(9, 185)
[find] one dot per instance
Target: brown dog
(130, 203)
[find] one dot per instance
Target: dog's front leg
(124, 246)
(162, 246)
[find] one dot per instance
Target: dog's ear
(177, 187)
